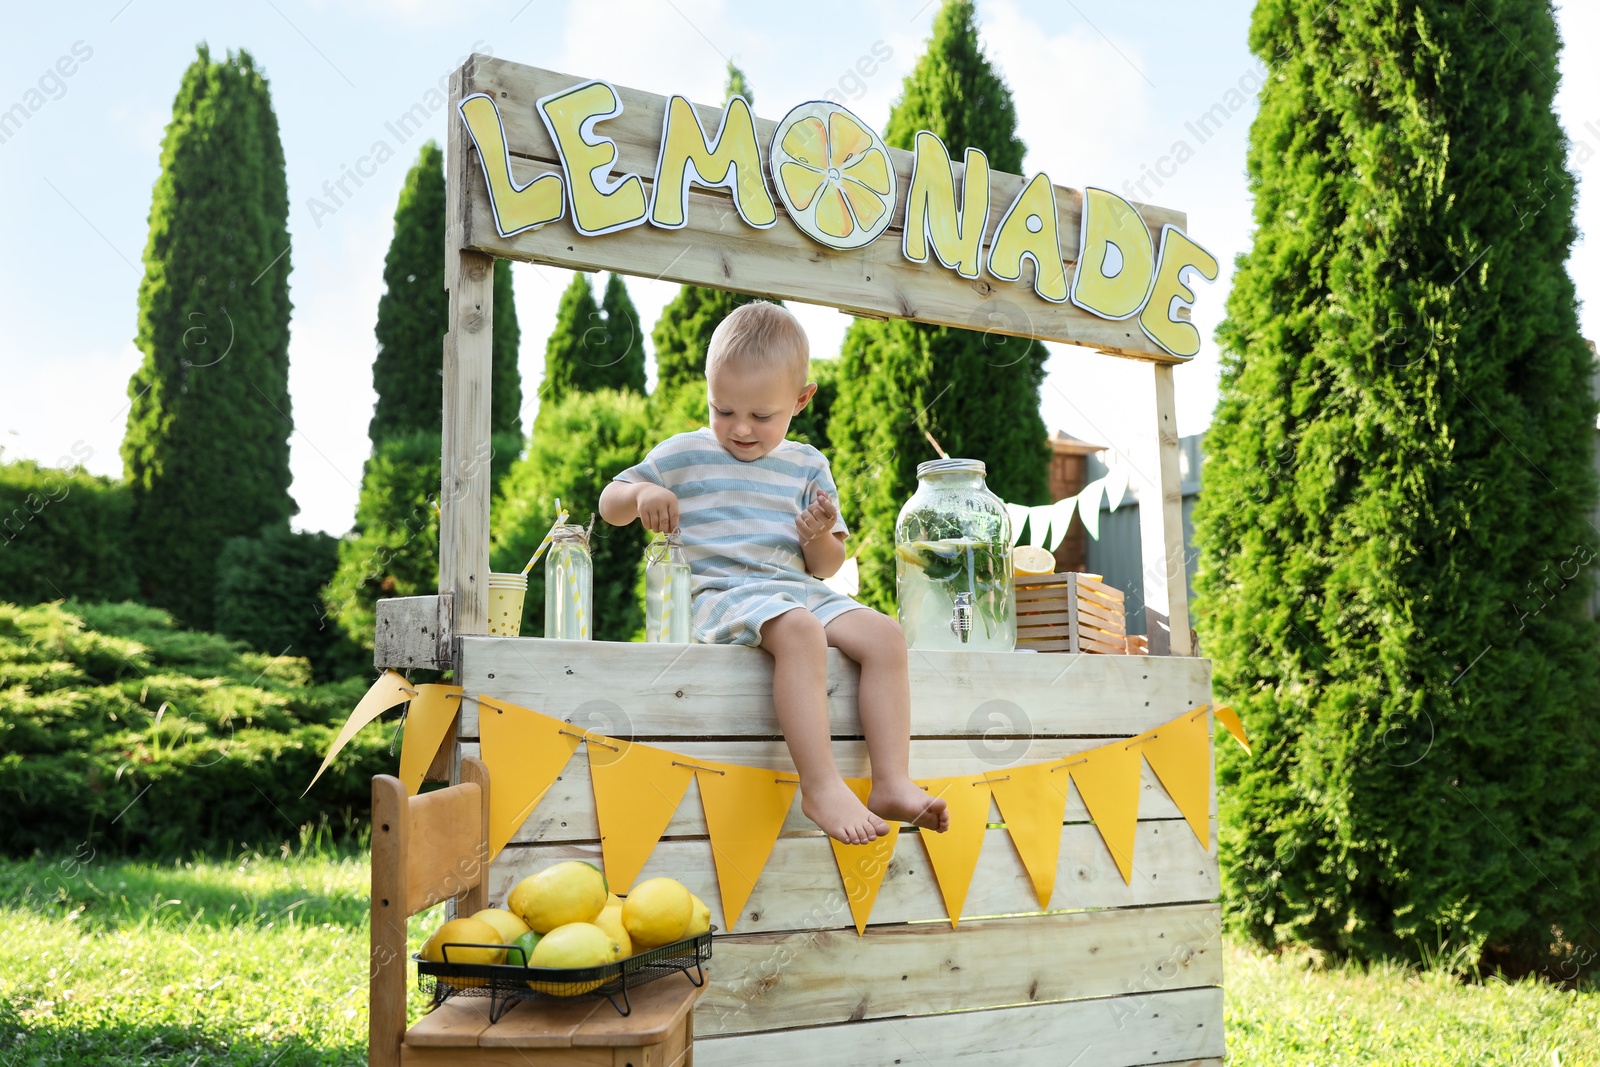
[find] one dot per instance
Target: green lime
(526, 943)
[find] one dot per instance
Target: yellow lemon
(573, 945)
(1029, 561)
(610, 921)
(612, 900)
(657, 912)
(701, 920)
(834, 175)
(508, 925)
(464, 931)
(570, 892)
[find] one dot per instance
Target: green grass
(262, 960)
(1282, 1010)
(254, 960)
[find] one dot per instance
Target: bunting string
(638, 788)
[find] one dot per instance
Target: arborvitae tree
(976, 393)
(684, 329)
(1393, 532)
(811, 425)
(505, 376)
(738, 85)
(413, 314)
(393, 550)
(413, 311)
(576, 347)
(624, 342)
(206, 450)
(583, 441)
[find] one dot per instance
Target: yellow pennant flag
(745, 808)
(863, 866)
(636, 790)
(428, 718)
(1180, 754)
(1230, 718)
(954, 853)
(1108, 779)
(1033, 803)
(390, 689)
(524, 752)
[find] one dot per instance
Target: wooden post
(386, 991)
(464, 460)
(1166, 581)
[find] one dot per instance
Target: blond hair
(760, 333)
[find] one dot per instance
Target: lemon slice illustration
(833, 174)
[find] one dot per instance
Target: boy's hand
(658, 508)
(817, 520)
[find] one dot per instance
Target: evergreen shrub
(121, 732)
(62, 535)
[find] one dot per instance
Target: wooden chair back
(425, 849)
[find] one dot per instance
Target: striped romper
(737, 519)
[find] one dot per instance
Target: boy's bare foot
(840, 814)
(905, 801)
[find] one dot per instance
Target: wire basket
(506, 983)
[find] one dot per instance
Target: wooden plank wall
(716, 248)
(1115, 974)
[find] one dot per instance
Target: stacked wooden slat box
(1073, 613)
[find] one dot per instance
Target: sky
(1105, 90)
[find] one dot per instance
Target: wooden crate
(1072, 613)
(1116, 974)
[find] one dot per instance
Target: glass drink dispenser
(953, 562)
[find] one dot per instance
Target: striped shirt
(737, 518)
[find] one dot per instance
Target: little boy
(758, 520)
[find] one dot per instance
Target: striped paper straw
(577, 605)
(561, 517)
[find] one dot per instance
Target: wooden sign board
(717, 244)
(548, 168)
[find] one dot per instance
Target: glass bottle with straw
(568, 578)
(666, 590)
(568, 584)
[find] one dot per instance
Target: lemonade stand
(1071, 910)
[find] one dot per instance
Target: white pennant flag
(1089, 507)
(1116, 486)
(1062, 521)
(1039, 524)
(1019, 515)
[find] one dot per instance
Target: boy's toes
(906, 802)
(937, 821)
(842, 816)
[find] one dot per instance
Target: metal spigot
(961, 617)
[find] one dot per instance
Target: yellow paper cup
(506, 594)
